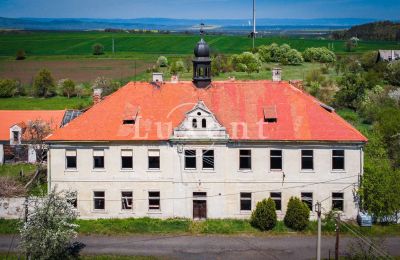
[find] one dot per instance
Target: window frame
(305, 200)
(245, 156)
(126, 197)
(242, 198)
(190, 156)
(94, 160)
(337, 199)
(337, 156)
(154, 198)
(307, 156)
(275, 156)
(66, 159)
(204, 156)
(276, 198)
(15, 134)
(148, 159)
(98, 197)
(122, 156)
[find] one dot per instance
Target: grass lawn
(16, 256)
(54, 103)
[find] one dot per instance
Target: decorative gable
(200, 124)
(15, 134)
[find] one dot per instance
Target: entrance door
(199, 209)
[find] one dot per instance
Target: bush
(176, 67)
(108, 86)
(162, 61)
(283, 54)
(98, 49)
(393, 75)
(322, 55)
(21, 55)
(264, 216)
(297, 214)
(43, 85)
(246, 62)
(8, 87)
(66, 87)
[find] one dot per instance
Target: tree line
(382, 30)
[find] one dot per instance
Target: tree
(50, 228)
(297, 214)
(321, 54)
(219, 64)
(67, 87)
(8, 87)
(21, 55)
(43, 85)
(351, 90)
(350, 45)
(393, 73)
(162, 61)
(98, 49)
(283, 54)
(177, 66)
(106, 85)
(246, 62)
(264, 216)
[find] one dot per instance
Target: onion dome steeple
(202, 65)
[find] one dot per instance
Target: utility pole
(318, 210)
(113, 48)
(254, 22)
(337, 237)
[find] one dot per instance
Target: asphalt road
(217, 247)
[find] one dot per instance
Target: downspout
(49, 170)
(361, 175)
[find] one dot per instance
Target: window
(276, 159)
(70, 158)
(154, 159)
(338, 160)
(337, 201)
(245, 201)
(277, 198)
(307, 198)
(190, 159)
(15, 136)
(154, 200)
(99, 200)
(194, 123)
(126, 159)
(307, 159)
(128, 121)
(208, 159)
(98, 159)
(245, 160)
(126, 200)
(204, 123)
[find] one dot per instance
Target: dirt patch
(77, 70)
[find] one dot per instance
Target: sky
(201, 9)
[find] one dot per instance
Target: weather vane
(202, 32)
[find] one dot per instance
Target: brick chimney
(97, 95)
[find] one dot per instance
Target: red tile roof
(299, 116)
(9, 118)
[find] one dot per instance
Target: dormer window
(270, 115)
(194, 123)
(129, 122)
(15, 136)
(204, 123)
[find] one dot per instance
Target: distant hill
(382, 30)
(224, 25)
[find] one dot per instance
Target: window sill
(245, 212)
(154, 211)
(190, 169)
(245, 171)
(275, 171)
(71, 170)
(338, 171)
(307, 171)
(98, 170)
(153, 170)
(100, 211)
(127, 170)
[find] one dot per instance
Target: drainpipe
(49, 170)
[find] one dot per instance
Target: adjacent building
(206, 149)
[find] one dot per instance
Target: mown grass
(75, 44)
(13, 170)
(53, 103)
(18, 256)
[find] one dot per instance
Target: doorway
(199, 205)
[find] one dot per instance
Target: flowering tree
(49, 227)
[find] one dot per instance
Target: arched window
(204, 123)
(194, 123)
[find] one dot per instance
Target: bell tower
(202, 64)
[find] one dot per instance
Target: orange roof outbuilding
(238, 105)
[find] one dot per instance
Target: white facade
(222, 185)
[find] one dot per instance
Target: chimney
(158, 77)
(174, 79)
(276, 74)
(97, 95)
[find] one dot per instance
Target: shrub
(21, 55)
(283, 54)
(246, 62)
(98, 49)
(176, 67)
(66, 87)
(8, 87)
(108, 86)
(297, 214)
(162, 61)
(393, 75)
(264, 216)
(321, 54)
(43, 85)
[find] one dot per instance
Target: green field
(54, 103)
(66, 45)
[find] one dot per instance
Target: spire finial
(202, 32)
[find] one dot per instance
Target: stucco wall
(223, 184)
(11, 208)
(1, 154)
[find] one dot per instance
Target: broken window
(337, 201)
(245, 160)
(154, 159)
(99, 200)
(98, 159)
(190, 159)
(277, 198)
(276, 159)
(154, 200)
(208, 159)
(127, 200)
(307, 198)
(245, 201)
(126, 159)
(338, 160)
(70, 159)
(307, 159)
